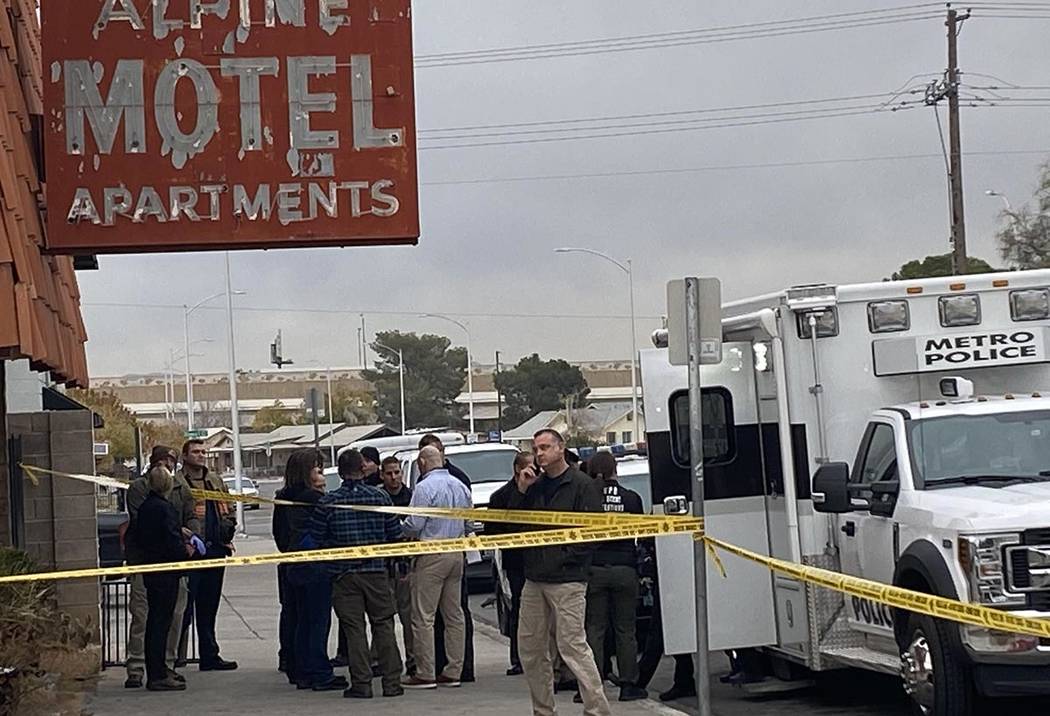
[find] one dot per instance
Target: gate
(116, 621)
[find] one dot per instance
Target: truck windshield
(971, 448)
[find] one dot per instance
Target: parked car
(248, 488)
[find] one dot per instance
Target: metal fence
(116, 621)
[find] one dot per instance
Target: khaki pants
(562, 606)
(139, 610)
(436, 585)
(354, 595)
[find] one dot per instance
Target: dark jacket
(620, 553)
(289, 523)
(513, 559)
(219, 524)
(574, 492)
(158, 532)
(179, 498)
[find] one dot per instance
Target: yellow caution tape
(589, 527)
(529, 517)
(928, 604)
(544, 538)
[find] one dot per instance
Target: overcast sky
(486, 246)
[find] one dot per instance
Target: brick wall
(61, 531)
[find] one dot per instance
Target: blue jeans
(313, 603)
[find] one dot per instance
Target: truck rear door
(741, 606)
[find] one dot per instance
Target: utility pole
(499, 400)
(959, 262)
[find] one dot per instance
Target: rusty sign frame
(228, 124)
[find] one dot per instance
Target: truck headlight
(1030, 305)
(981, 557)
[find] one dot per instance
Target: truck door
(740, 604)
(866, 541)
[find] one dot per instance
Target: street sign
(228, 124)
(495, 436)
(710, 321)
(101, 449)
(196, 434)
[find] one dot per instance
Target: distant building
(158, 397)
(602, 423)
(266, 454)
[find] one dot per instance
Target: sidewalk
(247, 633)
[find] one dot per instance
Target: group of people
(167, 524)
(367, 594)
(573, 606)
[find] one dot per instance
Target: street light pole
(628, 268)
(470, 363)
(235, 417)
(186, 311)
(400, 377)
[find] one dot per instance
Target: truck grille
(1035, 544)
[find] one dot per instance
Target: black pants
(516, 578)
(313, 600)
(286, 594)
(654, 651)
(439, 636)
(205, 587)
(162, 589)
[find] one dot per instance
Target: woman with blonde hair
(158, 533)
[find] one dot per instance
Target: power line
(356, 311)
(723, 167)
(675, 34)
(700, 40)
(650, 132)
(656, 115)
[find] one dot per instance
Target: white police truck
(896, 431)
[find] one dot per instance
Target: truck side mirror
(831, 488)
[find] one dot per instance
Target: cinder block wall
(61, 531)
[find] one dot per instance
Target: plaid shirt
(349, 528)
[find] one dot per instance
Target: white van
(839, 432)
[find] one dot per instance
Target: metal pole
(189, 385)
(499, 401)
(634, 354)
(313, 411)
(235, 417)
(401, 378)
(364, 345)
(470, 381)
(696, 455)
(331, 417)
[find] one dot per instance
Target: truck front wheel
(934, 674)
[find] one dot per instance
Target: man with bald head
(436, 577)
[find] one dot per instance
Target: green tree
(535, 384)
(354, 407)
(939, 265)
(434, 375)
(119, 428)
(1024, 240)
(272, 417)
